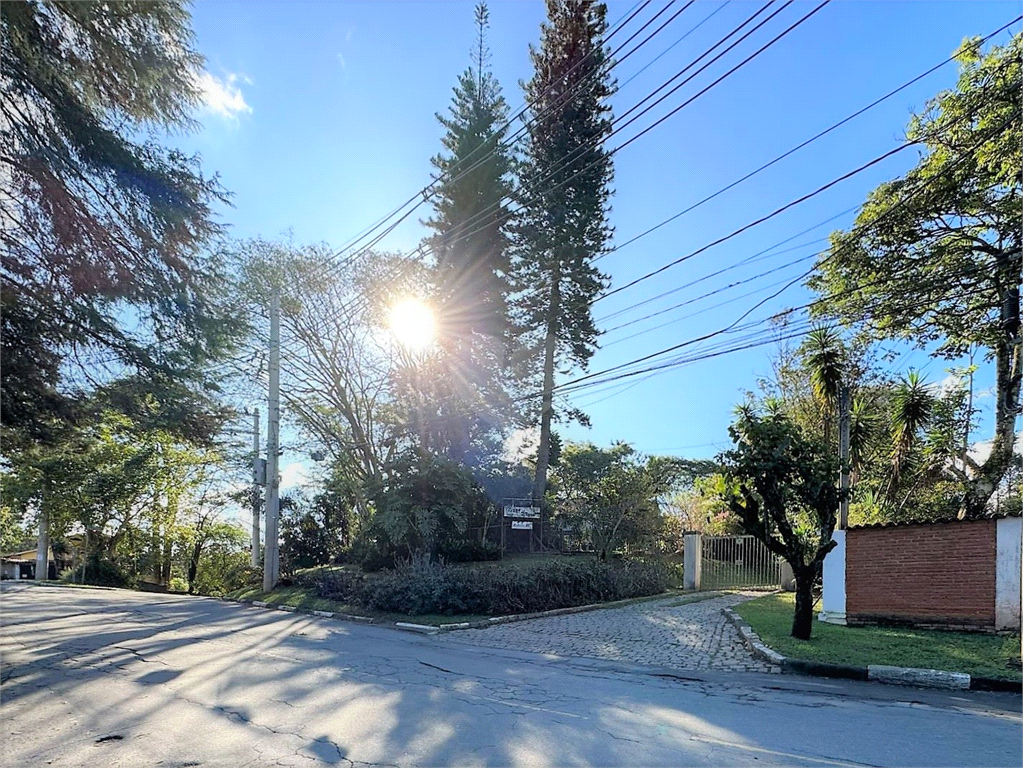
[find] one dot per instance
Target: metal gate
(738, 562)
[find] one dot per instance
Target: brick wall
(942, 573)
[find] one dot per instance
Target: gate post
(833, 597)
(693, 560)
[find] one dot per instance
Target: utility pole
(271, 552)
(256, 483)
(43, 543)
(844, 424)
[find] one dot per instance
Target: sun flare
(412, 323)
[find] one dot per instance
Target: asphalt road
(114, 678)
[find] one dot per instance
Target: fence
(953, 574)
(732, 562)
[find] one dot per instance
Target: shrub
(471, 552)
(225, 572)
(420, 586)
(427, 504)
(102, 572)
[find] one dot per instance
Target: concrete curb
(878, 673)
(433, 629)
(307, 611)
(565, 611)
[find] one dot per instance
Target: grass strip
(974, 653)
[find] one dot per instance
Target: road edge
(878, 673)
(434, 629)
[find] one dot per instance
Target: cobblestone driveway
(663, 633)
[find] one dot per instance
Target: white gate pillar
(693, 560)
(833, 599)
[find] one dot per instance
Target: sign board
(532, 513)
(522, 525)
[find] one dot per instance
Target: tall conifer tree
(471, 243)
(565, 190)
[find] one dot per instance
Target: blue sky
(320, 120)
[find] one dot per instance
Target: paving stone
(690, 636)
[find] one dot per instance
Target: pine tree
(471, 244)
(565, 189)
(102, 226)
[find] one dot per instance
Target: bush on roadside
(420, 587)
(102, 572)
(471, 552)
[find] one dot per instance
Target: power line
(768, 252)
(761, 220)
(423, 195)
(418, 253)
(749, 311)
(567, 162)
(589, 145)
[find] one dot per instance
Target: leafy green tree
(103, 226)
(782, 485)
(121, 492)
(610, 495)
(13, 534)
(317, 532)
(427, 506)
(935, 256)
(565, 191)
(471, 245)
(905, 437)
(343, 382)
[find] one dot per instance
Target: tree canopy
(565, 191)
(935, 257)
(103, 226)
(781, 484)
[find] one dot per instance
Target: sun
(412, 323)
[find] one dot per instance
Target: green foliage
(103, 260)
(221, 572)
(609, 496)
(471, 221)
(935, 256)
(103, 572)
(422, 587)
(314, 535)
(565, 189)
(427, 506)
(781, 484)
(13, 533)
(906, 438)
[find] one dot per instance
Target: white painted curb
(425, 628)
(925, 678)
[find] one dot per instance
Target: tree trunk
(1008, 377)
(165, 565)
(543, 453)
(193, 566)
(802, 620)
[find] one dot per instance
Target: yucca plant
(912, 409)
(825, 357)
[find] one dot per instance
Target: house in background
(22, 565)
